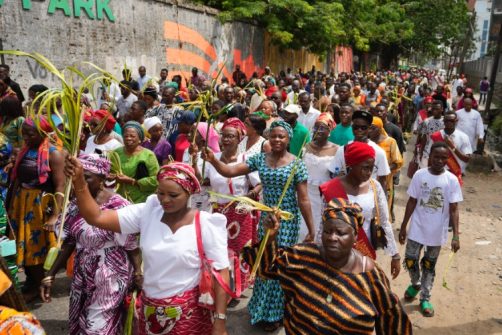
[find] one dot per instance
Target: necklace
(329, 296)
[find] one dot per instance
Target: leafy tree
(392, 27)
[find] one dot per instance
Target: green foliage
(399, 25)
(496, 126)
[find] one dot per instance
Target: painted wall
(156, 34)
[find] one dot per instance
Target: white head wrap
(150, 122)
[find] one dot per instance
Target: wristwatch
(220, 316)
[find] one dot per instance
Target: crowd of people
(156, 190)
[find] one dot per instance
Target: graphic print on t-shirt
(435, 198)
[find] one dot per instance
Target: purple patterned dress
(102, 273)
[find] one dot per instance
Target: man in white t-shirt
(308, 115)
(433, 205)
(457, 142)
(295, 91)
(361, 122)
(471, 123)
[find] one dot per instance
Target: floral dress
(102, 273)
(267, 302)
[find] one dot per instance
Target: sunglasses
(360, 127)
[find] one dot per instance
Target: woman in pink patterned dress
(102, 268)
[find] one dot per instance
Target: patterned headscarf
(327, 120)
(182, 174)
(284, 125)
(235, 123)
(339, 208)
(136, 126)
(95, 164)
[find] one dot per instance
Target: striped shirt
(320, 299)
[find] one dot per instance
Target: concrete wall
(156, 34)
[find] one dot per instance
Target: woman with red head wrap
(102, 140)
(240, 224)
(171, 260)
(38, 170)
(358, 187)
(468, 93)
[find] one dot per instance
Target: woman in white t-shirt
(102, 140)
(169, 248)
(242, 229)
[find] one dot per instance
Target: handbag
(209, 274)
(141, 171)
(378, 239)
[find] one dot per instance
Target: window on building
(484, 38)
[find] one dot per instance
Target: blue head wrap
(284, 125)
(136, 126)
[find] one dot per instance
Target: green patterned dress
(267, 302)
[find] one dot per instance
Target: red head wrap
(182, 174)
(357, 152)
(105, 115)
(235, 123)
(44, 124)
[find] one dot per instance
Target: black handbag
(141, 171)
(378, 239)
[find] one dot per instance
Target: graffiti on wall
(206, 56)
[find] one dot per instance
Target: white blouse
(171, 260)
(237, 186)
(367, 203)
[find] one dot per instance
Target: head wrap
(327, 120)
(379, 123)
(105, 115)
(357, 152)
(136, 126)
(428, 100)
(44, 124)
(235, 123)
(96, 164)
(213, 140)
(342, 209)
(172, 84)
(182, 174)
(284, 125)
(150, 122)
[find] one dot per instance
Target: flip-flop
(426, 309)
(411, 292)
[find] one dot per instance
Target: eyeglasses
(321, 128)
(360, 127)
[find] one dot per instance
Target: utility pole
(493, 75)
(2, 57)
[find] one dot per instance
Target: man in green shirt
(342, 134)
(301, 134)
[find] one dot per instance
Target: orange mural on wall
(204, 56)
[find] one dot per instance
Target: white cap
(150, 122)
(293, 109)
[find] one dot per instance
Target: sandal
(426, 309)
(411, 292)
(270, 327)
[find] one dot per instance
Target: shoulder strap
(200, 247)
(375, 196)
(202, 255)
